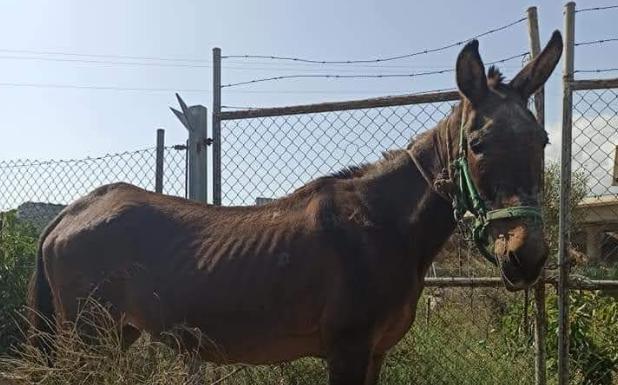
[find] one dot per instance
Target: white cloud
(594, 139)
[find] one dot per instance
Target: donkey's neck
(399, 197)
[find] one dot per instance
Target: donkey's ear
(470, 73)
(535, 74)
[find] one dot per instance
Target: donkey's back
(254, 280)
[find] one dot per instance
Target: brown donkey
(333, 270)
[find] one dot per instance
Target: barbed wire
(243, 65)
(595, 9)
(361, 76)
(337, 76)
(18, 163)
(600, 41)
(378, 60)
(438, 90)
(596, 70)
(266, 65)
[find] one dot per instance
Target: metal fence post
(565, 189)
(159, 160)
(540, 320)
(195, 119)
(216, 126)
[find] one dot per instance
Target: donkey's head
(502, 150)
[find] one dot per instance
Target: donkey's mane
(364, 168)
(351, 172)
(495, 79)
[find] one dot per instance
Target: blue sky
(43, 122)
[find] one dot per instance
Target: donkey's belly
(259, 337)
(397, 324)
(255, 319)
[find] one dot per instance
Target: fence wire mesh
(594, 234)
(595, 185)
(469, 336)
(270, 157)
(38, 190)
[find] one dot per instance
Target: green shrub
(17, 250)
(593, 336)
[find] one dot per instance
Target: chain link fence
(595, 142)
(38, 190)
(470, 335)
(588, 321)
(269, 157)
(593, 334)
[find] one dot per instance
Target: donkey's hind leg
(128, 335)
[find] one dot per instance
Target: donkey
(333, 270)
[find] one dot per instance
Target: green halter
(467, 198)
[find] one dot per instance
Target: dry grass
(90, 352)
(429, 354)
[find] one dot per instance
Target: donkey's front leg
(348, 360)
(375, 366)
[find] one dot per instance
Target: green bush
(593, 336)
(551, 202)
(17, 250)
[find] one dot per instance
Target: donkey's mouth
(516, 286)
(516, 282)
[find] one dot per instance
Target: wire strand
(100, 88)
(359, 76)
(595, 9)
(596, 70)
(17, 163)
(64, 53)
(87, 61)
(379, 60)
(337, 76)
(386, 92)
(114, 88)
(268, 65)
(600, 41)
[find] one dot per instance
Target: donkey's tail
(40, 300)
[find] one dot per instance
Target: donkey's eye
(477, 146)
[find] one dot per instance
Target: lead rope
(432, 185)
(443, 184)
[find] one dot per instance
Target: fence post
(565, 188)
(216, 126)
(535, 49)
(540, 320)
(159, 160)
(195, 120)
